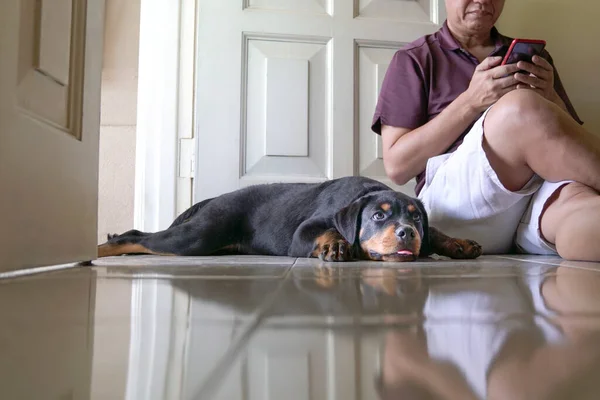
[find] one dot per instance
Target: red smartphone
(523, 50)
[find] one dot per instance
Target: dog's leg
(316, 238)
(444, 245)
(130, 242)
(187, 239)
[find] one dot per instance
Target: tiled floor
(255, 328)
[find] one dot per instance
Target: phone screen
(524, 52)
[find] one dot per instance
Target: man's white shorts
(464, 198)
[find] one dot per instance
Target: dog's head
(386, 225)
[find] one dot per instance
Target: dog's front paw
(338, 250)
(462, 249)
(331, 246)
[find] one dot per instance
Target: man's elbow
(400, 179)
(397, 174)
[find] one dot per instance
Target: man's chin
(480, 21)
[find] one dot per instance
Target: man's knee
(506, 144)
(517, 110)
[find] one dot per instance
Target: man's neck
(470, 40)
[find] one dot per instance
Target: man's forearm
(409, 154)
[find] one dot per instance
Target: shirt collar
(448, 41)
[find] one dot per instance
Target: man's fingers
(503, 70)
(522, 86)
(543, 63)
(532, 69)
(488, 63)
(506, 81)
(531, 80)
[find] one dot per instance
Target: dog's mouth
(391, 246)
(399, 255)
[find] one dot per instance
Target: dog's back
(263, 218)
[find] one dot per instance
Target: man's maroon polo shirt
(425, 76)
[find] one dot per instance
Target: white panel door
(291, 363)
(51, 52)
(286, 89)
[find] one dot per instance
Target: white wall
(118, 118)
(571, 29)
(112, 329)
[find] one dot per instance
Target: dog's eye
(378, 216)
(416, 217)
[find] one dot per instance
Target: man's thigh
(531, 238)
(562, 219)
(465, 198)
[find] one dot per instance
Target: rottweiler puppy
(338, 220)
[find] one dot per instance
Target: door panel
(373, 61)
(44, 44)
(54, 38)
(398, 9)
(310, 6)
(286, 90)
(51, 55)
(284, 85)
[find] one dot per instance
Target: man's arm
(406, 151)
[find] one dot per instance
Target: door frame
(166, 127)
(165, 110)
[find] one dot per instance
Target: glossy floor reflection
(249, 328)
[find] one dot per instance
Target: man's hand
(540, 79)
(490, 82)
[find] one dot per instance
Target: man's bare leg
(527, 134)
(572, 222)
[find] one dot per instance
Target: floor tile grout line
(217, 374)
(559, 263)
(529, 260)
(32, 272)
(196, 277)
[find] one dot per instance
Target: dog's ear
(425, 240)
(347, 220)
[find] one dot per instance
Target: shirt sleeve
(560, 90)
(403, 99)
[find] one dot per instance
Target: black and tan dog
(338, 220)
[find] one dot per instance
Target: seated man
(500, 156)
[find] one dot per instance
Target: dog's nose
(405, 233)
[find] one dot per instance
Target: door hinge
(187, 157)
